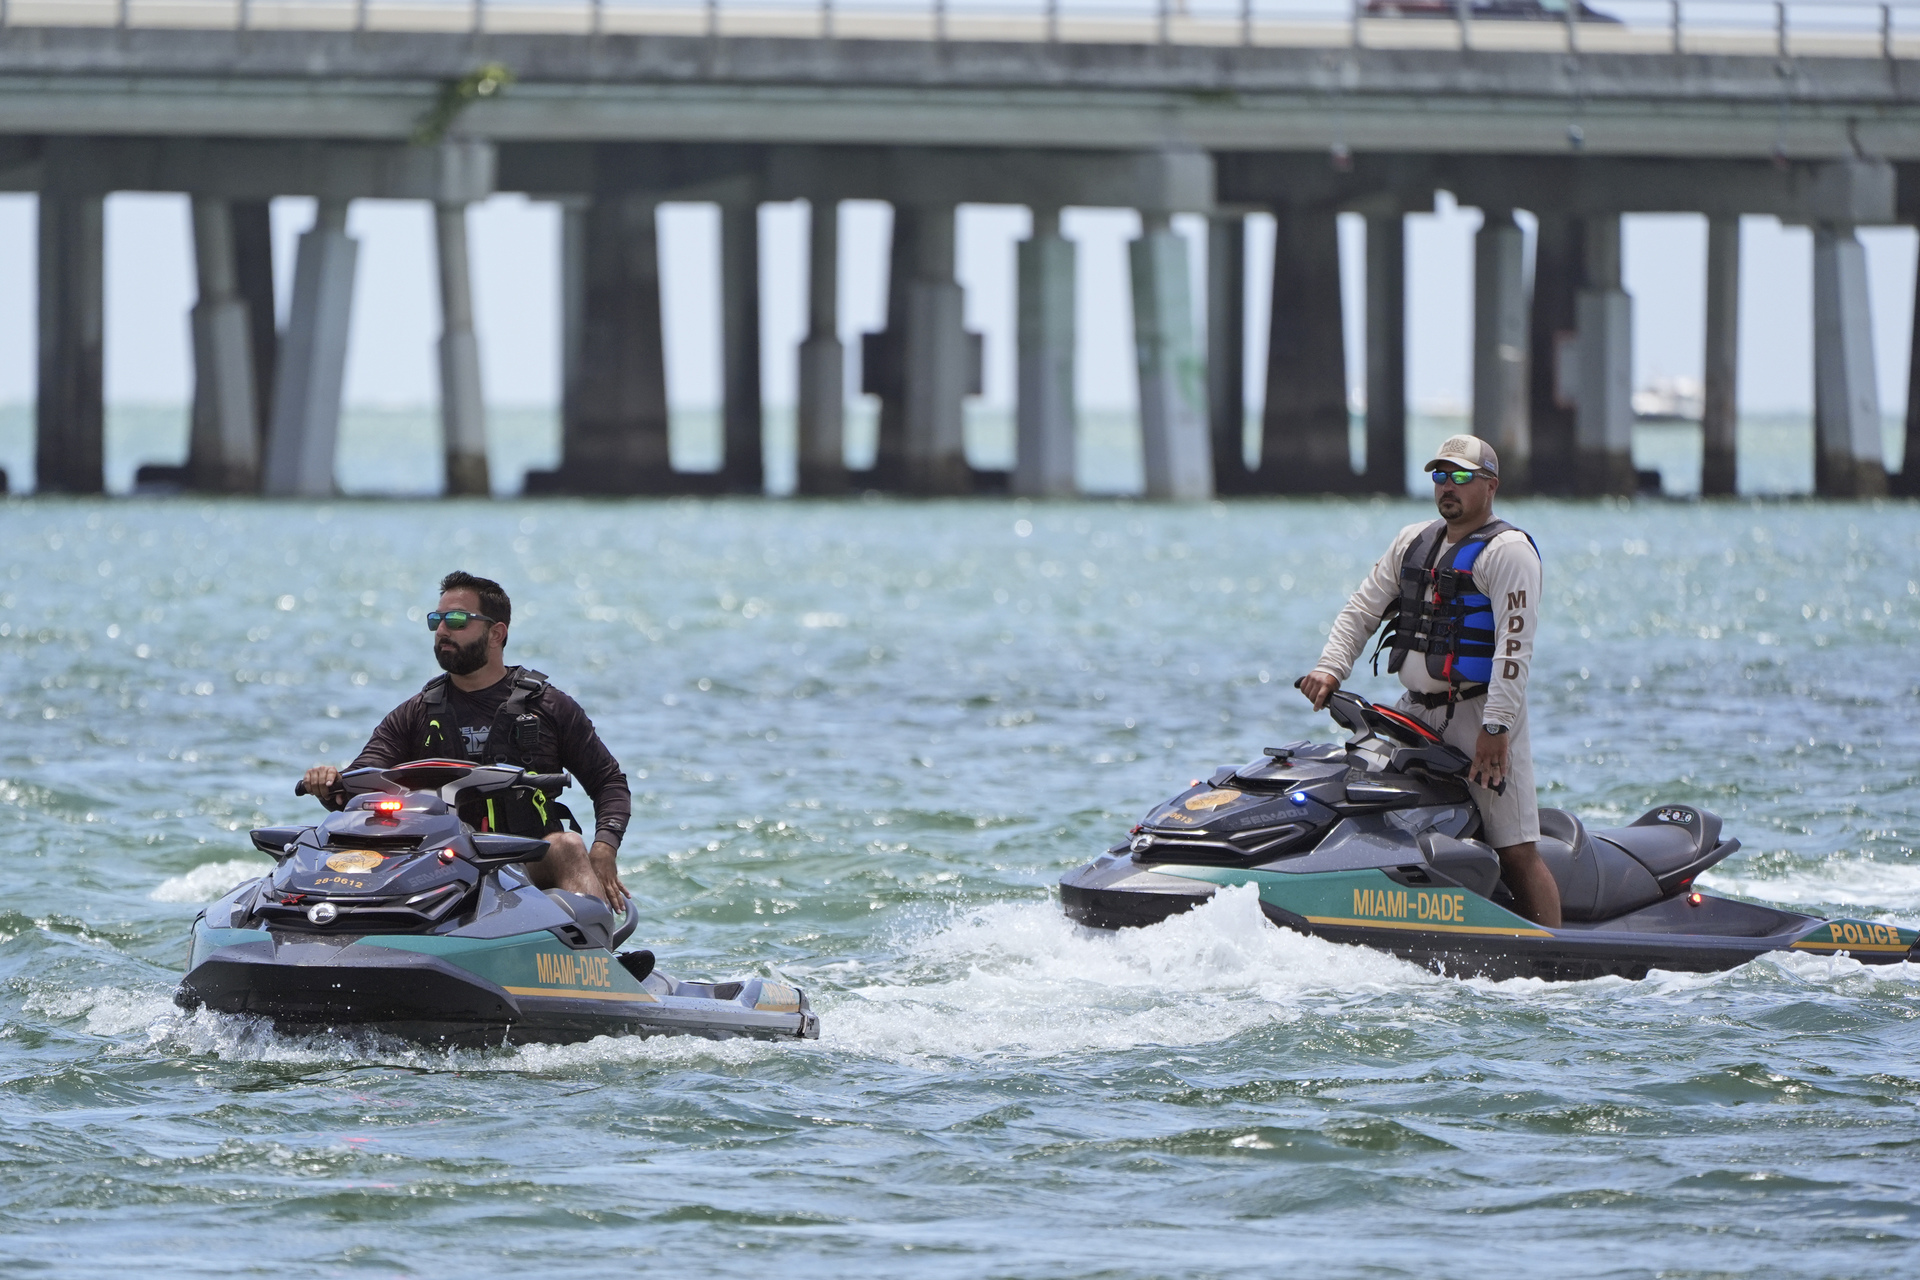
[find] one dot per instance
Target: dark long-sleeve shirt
(568, 741)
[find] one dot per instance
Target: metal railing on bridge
(1784, 28)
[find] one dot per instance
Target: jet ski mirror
(277, 841)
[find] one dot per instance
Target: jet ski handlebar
(1362, 719)
(453, 780)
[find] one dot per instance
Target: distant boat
(1670, 400)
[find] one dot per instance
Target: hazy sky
(515, 245)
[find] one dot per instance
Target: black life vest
(515, 736)
(519, 736)
(1441, 611)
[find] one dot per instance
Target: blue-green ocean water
(866, 737)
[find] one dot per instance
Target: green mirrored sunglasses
(456, 619)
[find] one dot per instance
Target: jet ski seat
(1661, 850)
(1676, 842)
(1598, 879)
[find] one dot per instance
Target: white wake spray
(208, 881)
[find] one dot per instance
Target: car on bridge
(1487, 10)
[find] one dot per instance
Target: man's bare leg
(1534, 889)
(569, 865)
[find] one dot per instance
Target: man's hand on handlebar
(606, 870)
(1317, 687)
(322, 782)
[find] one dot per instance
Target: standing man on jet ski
(483, 711)
(1462, 592)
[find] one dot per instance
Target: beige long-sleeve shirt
(1507, 572)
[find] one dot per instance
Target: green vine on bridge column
(456, 96)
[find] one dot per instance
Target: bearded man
(483, 711)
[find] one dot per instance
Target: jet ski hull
(393, 915)
(1454, 931)
(1376, 843)
(527, 989)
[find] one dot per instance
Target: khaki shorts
(1509, 819)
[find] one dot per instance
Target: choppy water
(866, 738)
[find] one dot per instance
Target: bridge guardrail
(1784, 28)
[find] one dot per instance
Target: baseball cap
(1468, 452)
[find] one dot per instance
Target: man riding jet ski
(1459, 596)
(443, 900)
(394, 915)
(478, 710)
(1378, 842)
(1422, 835)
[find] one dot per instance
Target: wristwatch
(1495, 729)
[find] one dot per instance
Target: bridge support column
(1720, 412)
(883, 354)
(1849, 459)
(1907, 482)
(463, 409)
(935, 367)
(1173, 413)
(223, 450)
(69, 412)
(252, 222)
(742, 467)
(613, 429)
(822, 409)
(1303, 446)
(1603, 414)
(923, 365)
(1227, 352)
(1553, 373)
(573, 328)
(1387, 354)
(1045, 412)
(305, 426)
(1500, 346)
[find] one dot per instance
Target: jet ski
(1377, 842)
(394, 915)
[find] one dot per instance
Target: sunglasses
(1458, 477)
(456, 619)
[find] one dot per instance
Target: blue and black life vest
(1442, 612)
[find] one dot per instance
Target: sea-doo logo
(1682, 816)
(1212, 799)
(354, 860)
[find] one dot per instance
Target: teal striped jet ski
(394, 916)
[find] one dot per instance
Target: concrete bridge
(611, 109)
